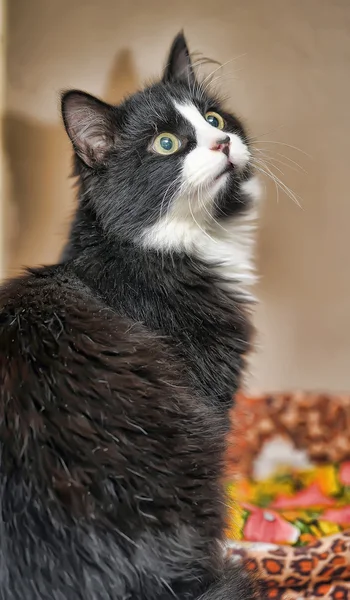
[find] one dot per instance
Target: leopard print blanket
(312, 566)
(319, 570)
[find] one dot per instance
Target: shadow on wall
(42, 196)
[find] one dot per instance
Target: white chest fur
(227, 246)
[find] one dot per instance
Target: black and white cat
(118, 365)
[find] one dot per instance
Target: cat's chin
(229, 168)
(220, 182)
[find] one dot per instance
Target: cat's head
(164, 165)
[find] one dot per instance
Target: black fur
(117, 370)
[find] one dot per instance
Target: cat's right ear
(179, 65)
(90, 124)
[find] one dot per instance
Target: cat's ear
(90, 124)
(179, 65)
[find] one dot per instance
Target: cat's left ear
(179, 65)
(91, 126)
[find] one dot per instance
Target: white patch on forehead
(206, 134)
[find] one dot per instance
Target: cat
(118, 364)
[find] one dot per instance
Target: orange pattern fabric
(292, 526)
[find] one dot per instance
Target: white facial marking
(190, 226)
(207, 136)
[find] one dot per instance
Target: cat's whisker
(196, 222)
(197, 66)
(283, 144)
(225, 77)
(292, 161)
(252, 139)
(292, 195)
(263, 172)
(271, 158)
(283, 187)
(203, 60)
(205, 192)
(269, 162)
(221, 66)
(173, 183)
(222, 77)
(268, 153)
(202, 202)
(216, 222)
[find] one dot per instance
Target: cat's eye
(166, 144)
(215, 119)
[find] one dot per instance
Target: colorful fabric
(319, 570)
(288, 489)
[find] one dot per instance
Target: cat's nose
(222, 145)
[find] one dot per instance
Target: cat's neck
(222, 247)
(181, 298)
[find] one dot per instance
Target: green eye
(215, 119)
(166, 143)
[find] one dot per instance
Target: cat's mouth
(228, 169)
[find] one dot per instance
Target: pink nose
(222, 145)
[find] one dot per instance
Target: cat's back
(47, 317)
(62, 341)
(51, 322)
(40, 298)
(35, 303)
(96, 434)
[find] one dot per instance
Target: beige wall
(292, 85)
(3, 191)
